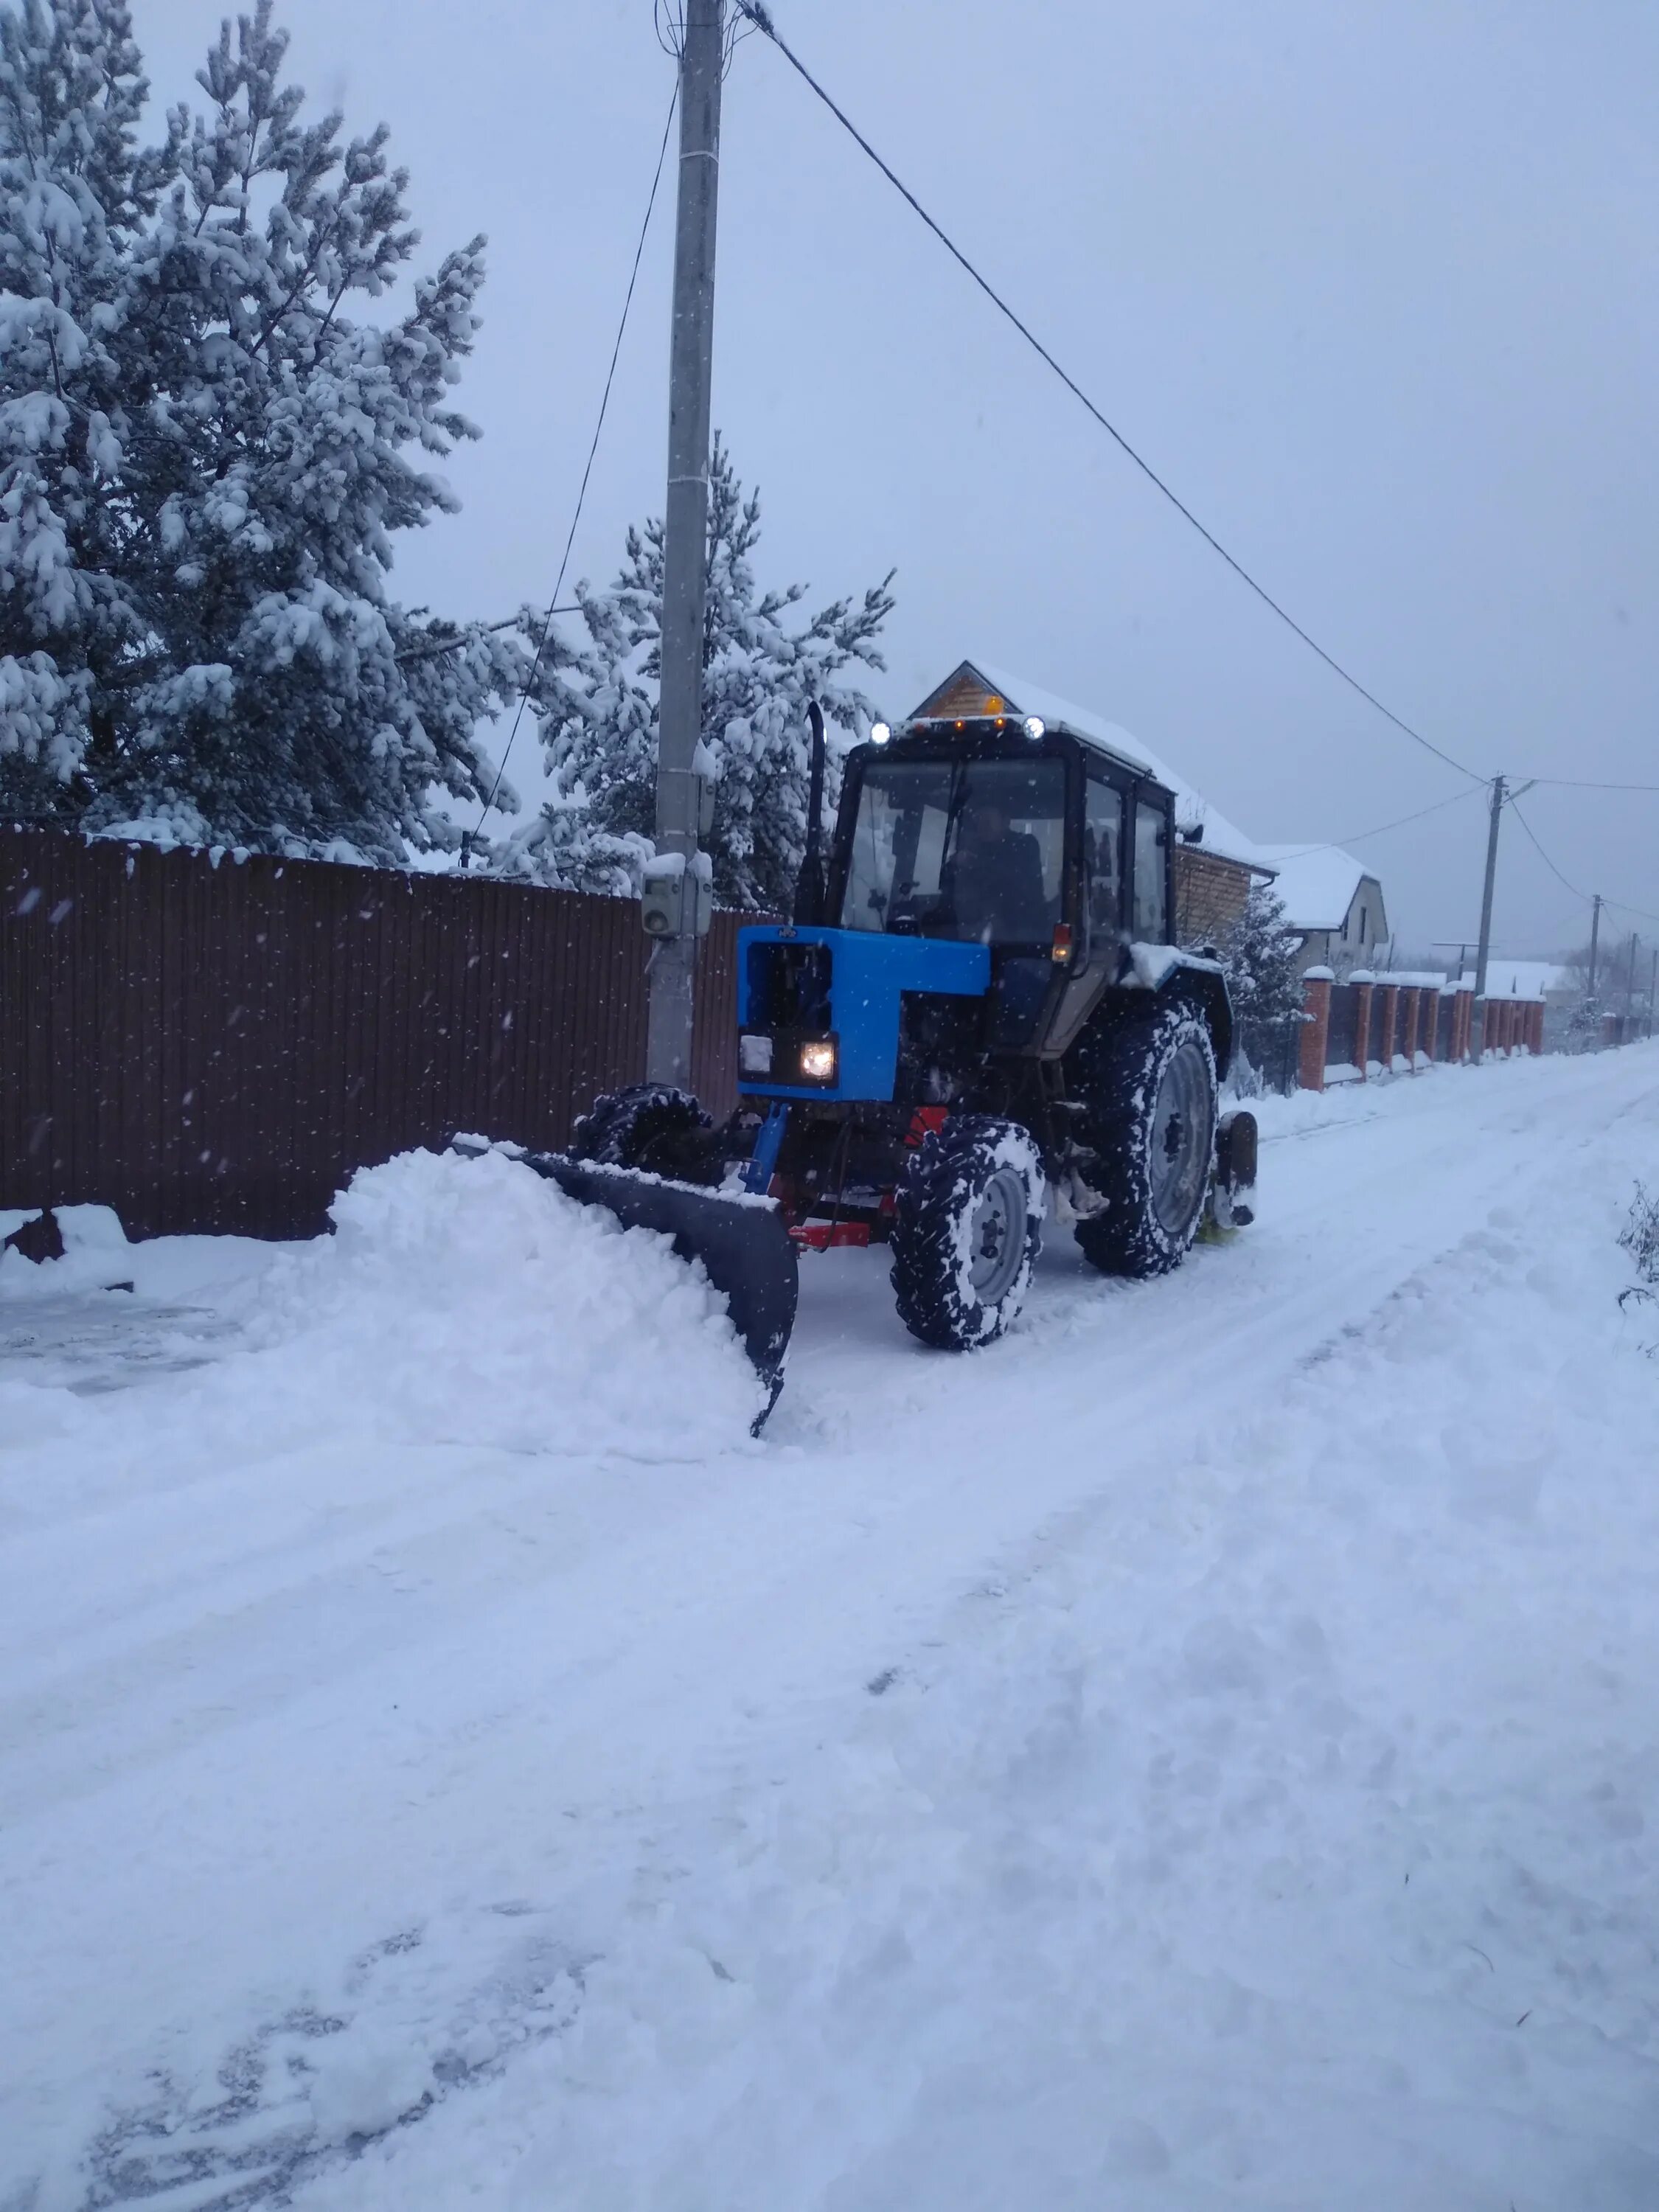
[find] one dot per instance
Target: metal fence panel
(1342, 1043)
(209, 1043)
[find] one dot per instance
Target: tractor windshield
(972, 849)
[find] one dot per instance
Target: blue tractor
(975, 1019)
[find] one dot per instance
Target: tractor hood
(818, 1008)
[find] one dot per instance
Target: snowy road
(1197, 1753)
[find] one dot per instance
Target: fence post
(1315, 1028)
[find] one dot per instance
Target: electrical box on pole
(678, 898)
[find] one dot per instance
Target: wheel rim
(996, 1237)
(1182, 1137)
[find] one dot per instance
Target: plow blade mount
(742, 1243)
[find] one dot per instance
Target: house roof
(1523, 979)
(1316, 883)
(1191, 808)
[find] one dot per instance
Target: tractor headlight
(879, 733)
(1035, 727)
(818, 1060)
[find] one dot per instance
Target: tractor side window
(1102, 854)
(1151, 925)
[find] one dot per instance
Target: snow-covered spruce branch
(205, 459)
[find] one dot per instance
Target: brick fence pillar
(1461, 1018)
(1538, 1026)
(1315, 1028)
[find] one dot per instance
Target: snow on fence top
(1407, 979)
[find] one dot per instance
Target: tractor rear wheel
(1151, 1126)
(650, 1126)
(966, 1229)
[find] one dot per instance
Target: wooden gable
(964, 694)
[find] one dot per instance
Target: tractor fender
(1162, 972)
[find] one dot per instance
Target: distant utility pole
(1630, 979)
(1485, 947)
(677, 900)
(1595, 940)
(1653, 988)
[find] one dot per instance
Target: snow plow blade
(742, 1244)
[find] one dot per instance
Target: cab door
(1105, 800)
(1151, 914)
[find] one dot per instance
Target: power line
(1640, 912)
(1544, 856)
(1579, 783)
(1303, 853)
(430, 651)
(762, 19)
(605, 402)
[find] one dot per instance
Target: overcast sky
(1371, 282)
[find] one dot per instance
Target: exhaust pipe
(809, 883)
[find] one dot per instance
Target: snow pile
(469, 1300)
(460, 1302)
(95, 1252)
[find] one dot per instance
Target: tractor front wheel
(650, 1126)
(966, 1229)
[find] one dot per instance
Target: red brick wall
(1210, 893)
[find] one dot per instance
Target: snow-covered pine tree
(599, 715)
(1264, 981)
(203, 457)
(74, 195)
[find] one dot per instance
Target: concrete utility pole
(677, 900)
(1485, 947)
(1630, 979)
(1595, 940)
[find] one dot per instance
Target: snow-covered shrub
(1640, 1235)
(598, 715)
(1264, 981)
(205, 456)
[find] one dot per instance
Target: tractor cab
(1001, 830)
(1032, 840)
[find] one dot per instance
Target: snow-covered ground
(1200, 1752)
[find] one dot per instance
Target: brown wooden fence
(205, 1043)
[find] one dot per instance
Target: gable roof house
(1215, 863)
(1334, 902)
